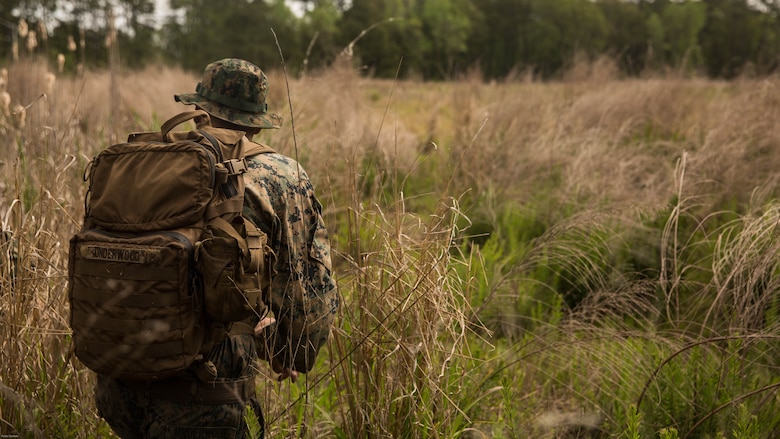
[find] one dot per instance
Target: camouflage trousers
(140, 410)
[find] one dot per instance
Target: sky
(162, 9)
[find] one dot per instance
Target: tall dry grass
(563, 189)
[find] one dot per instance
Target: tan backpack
(165, 262)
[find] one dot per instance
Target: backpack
(165, 261)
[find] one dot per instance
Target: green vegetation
(428, 39)
(595, 257)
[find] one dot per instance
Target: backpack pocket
(143, 187)
(135, 307)
(231, 292)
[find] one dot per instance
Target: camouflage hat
(234, 90)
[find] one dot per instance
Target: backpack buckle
(235, 166)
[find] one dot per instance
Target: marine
(302, 296)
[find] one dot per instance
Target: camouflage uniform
(137, 410)
(280, 200)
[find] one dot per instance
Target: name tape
(121, 254)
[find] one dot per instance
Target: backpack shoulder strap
(224, 135)
(254, 148)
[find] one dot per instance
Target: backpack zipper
(212, 164)
(214, 143)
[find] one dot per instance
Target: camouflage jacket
(280, 200)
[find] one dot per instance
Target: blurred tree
(341, 5)
(230, 28)
(627, 34)
(12, 10)
(382, 35)
(287, 28)
(499, 28)
(735, 37)
(136, 41)
(78, 21)
(682, 23)
(34, 13)
(446, 26)
(435, 39)
(656, 36)
(650, 6)
(320, 32)
(559, 30)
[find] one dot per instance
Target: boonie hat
(234, 90)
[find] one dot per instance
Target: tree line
(427, 39)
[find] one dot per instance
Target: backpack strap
(256, 241)
(228, 189)
(254, 148)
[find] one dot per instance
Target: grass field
(595, 257)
